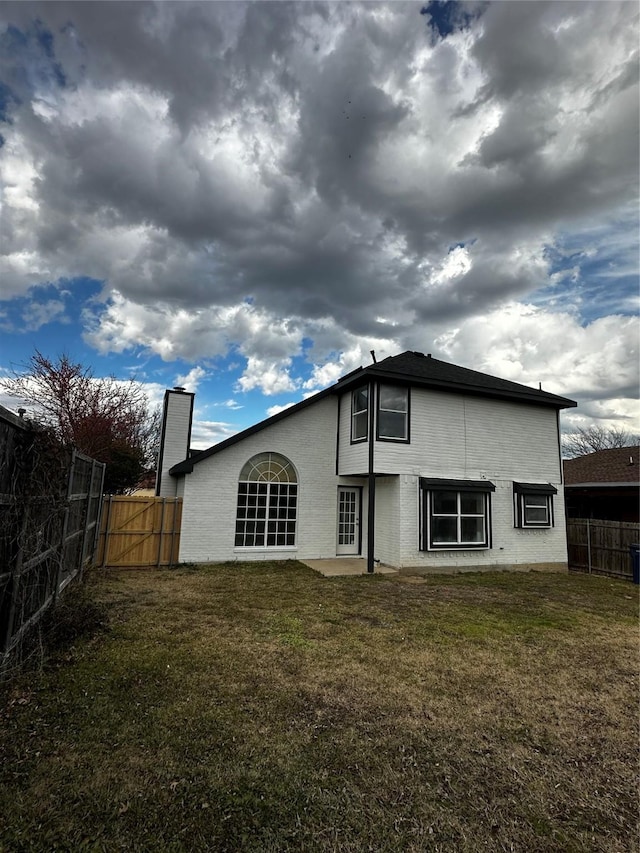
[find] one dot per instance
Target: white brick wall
(466, 437)
(451, 436)
(354, 458)
(388, 527)
(458, 437)
(308, 439)
(511, 546)
(178, 409)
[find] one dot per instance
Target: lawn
(260, 707)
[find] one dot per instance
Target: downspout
(338, 436)
(371, 509)
(559, 446)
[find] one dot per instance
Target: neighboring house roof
(146, 481)
(618, 466)
(408, 368)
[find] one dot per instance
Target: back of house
(410, 462)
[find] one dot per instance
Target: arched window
(267, 502)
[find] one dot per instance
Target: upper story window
(533, 504)
(393, 413)
(267, 503)
(360, 414)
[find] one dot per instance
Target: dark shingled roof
(618, 465)
(409, 368)
(420, 369)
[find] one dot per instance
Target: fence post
(85, 532)
(13, 586)
(100, 498)
(177, 508)
(107, 528)
(65, 526)
(160, 538)
(589, 545)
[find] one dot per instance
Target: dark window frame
(429, 487)
(539, 494)
(360, 412)
(407, 414)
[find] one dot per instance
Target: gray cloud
(316, 161)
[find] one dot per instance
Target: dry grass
(263, 708)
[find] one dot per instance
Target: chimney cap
(178, 388)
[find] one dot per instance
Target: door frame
(358, 544)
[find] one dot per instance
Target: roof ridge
(458, 375)
(446, 378)
(605, 450)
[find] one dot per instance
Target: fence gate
(139, 532)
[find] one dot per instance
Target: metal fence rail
(601, 547)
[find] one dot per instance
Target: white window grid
(266, 512)
(347, 514)
(359, 417)
(459, 516)
(529, 514)
(386, 409)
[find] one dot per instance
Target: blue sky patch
(8, 99)
(594, 271)
(447, 16)
(34, 66)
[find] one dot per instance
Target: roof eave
(543, 398)
(535, 397)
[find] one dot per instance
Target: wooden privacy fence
(49, 509)
(601, 547)
(138, 532)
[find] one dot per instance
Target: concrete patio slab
(342, 566)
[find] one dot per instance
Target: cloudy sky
(248, 198)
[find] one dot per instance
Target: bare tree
(105, 418)
(589, 439)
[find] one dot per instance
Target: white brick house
(411, 462)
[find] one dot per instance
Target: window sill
(242, 549)
(436, 548)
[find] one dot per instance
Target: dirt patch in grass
(264, 708)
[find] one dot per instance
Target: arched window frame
(267, 505)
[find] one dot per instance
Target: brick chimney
(177, 417)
